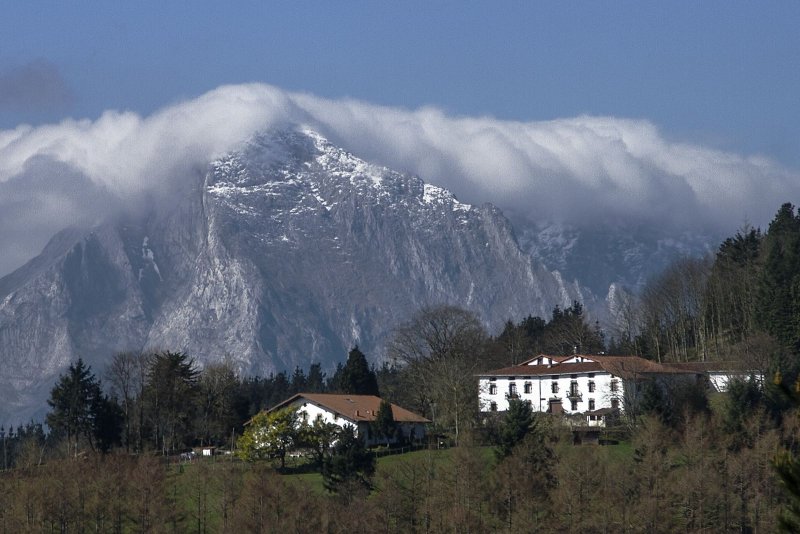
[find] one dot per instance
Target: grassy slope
(187, 479)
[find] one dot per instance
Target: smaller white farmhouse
(719, 374)
(356, 410)
(575, 384)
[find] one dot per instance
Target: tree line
(696, 477)
(696, 462)
(741, 305)
(164, 401)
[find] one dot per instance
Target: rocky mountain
(607, 254)
(286, 251)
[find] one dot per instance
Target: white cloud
(576, 170)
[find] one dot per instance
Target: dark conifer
(357, 378)
(384, 426)
(349, 462)
(517, 423)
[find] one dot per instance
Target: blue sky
(723, 74)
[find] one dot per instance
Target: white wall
(720, 380)
(541, 391)
(312, 410)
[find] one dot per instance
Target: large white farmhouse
(587, 384)
(355, 410)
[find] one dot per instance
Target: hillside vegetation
(691, 462)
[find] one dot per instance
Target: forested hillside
(689, 459)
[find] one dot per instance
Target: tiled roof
(633, 366)
(354, 407)
(628, 367)
(707, 367)
(536, 370)
(554, 358)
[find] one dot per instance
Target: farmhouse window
(554, 387)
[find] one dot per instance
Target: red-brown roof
(708, 367)
(628, 367)
(554, 358)
(536, 370)
(354, 407)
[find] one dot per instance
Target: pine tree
(315, 383)
(349, 462)
(79, 408)
(779, 290)
(779, 310)
(384, 426)
(515, 426)
(357, 378)
(171, 394)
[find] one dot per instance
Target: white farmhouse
(576, 384)
(355, 410)
(720, 374)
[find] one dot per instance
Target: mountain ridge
(286, 251)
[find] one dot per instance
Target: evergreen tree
(315, 383)
(299, 381)
(76, 401)
(279, 389)
(518, 421)
(357, 378)
(384, 426)
(567, 332)
(109, 419)
(652, 401)
(744, 398)
(349, 462)
(779, 296)
(171, 393)
(733, 285)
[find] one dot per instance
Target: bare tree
(441, 348)
(673, 310)
(217, 414)
(127, 374)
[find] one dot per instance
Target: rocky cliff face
(287, 251)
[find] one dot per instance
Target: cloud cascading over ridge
(572, 170)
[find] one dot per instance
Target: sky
(629, 107)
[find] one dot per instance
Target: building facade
(358, 411)
(576, 384)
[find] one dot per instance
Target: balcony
(574, 394)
